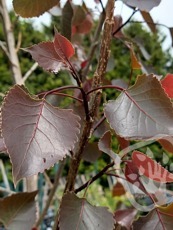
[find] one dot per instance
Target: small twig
(98, 123)
(101, 3)
(155, 23)
(106, 87)
(6, 190)
(4, 175)
(67, 95)
(98, 175)
(19, 41)
(28, 73)
(94, 43)
(48, 180)
(45, 94)
(125, 23)
(51, 194)
(4, 48)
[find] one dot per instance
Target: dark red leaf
(117, 23)
(143, 111)
(91, 152)
(151, 168)
(167, 84)
(155, 220)
(167, 143)
(123, 142)
(44, 53)
(63, 46)
(18, 211)
(125, 217)
(118, 189)
(52, 56)
(79, 214)
(132, 175)
(105, 146)
(36, 134)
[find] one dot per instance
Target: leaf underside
(36, 134)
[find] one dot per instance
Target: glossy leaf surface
(144, 111)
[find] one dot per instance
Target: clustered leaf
(36, 134)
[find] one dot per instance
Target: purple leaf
(91, 152)
(154, 220)
(79, 214)
(105, 146)
(36, 134)
(143, 111)
(125, 217)
(18, 211)
(52, 56)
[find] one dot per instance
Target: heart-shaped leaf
(33, 8)
(151, 168)
(36, 134)
(79, 214)
(18, 211)
(143, 111)
(52, 56)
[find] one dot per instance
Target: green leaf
(33, 8)
(18, 211)
(77, 213)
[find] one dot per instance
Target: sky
(161, 14)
